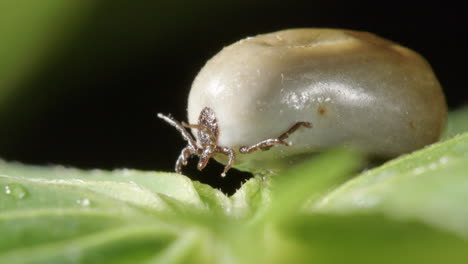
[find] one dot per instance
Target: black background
(94, 103)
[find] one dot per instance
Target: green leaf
(149, 190)
(59, 215)
(430, 185)
(365, 238)
(307, 182)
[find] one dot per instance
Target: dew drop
(84, 202)
(366, 201)
(16, 191)
(418, 170)
(443, 160)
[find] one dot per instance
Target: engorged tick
(207, 144)
(360, 91)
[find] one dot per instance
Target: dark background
(93, 104)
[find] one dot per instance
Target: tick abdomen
(354, 87)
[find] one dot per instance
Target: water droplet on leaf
(84, 202)
(16, 191)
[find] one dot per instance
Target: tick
(357, 89)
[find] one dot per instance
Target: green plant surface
(408, 210)
(429, 185)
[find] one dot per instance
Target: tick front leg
(268, 143)
(185, 134)
(232, 158)
(182, 159)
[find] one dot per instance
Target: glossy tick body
(357, 89)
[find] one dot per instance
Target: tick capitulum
(206, 144)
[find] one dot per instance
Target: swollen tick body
(357, 89)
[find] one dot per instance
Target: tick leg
(182, 159)
(185, 134)
(205, 156)
(268, 143)
(295, 127)
(202, 128)
(199, 127)
(232, 158)
(265, 144)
